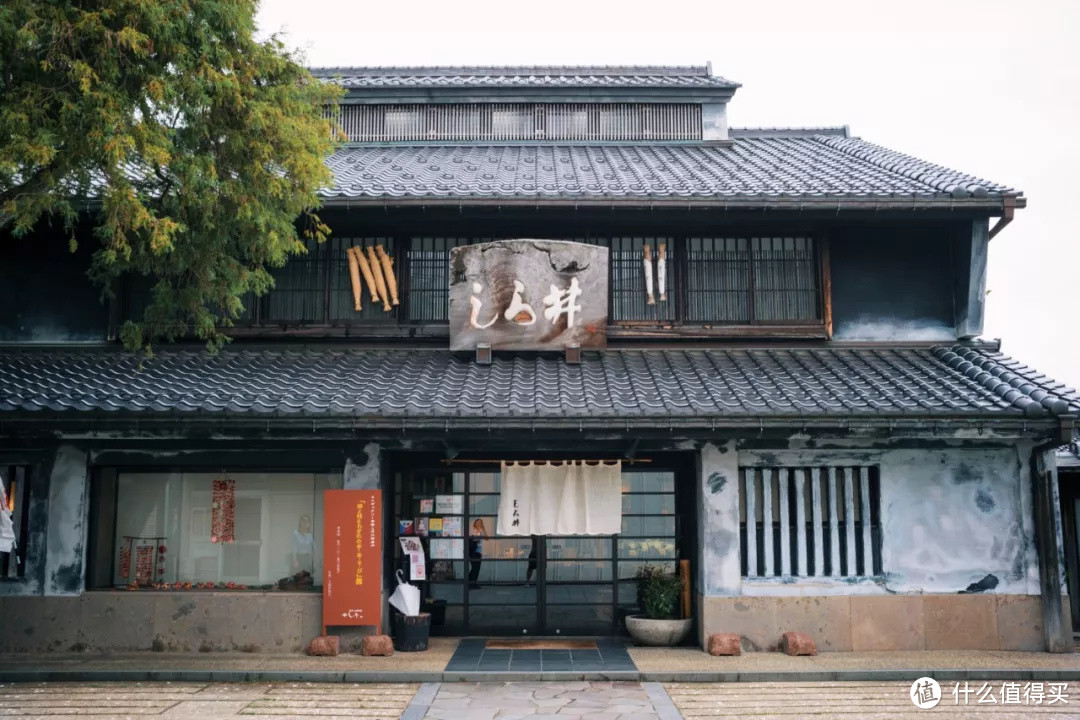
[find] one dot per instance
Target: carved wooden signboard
(528, 295)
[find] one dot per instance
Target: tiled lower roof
(943, 382)
(758, 167)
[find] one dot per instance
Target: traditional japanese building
(777, 336)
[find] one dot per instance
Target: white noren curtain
(563, 498)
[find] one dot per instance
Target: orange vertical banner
(352, 557)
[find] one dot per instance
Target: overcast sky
(990, 87)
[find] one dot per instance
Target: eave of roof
(820, 168)
(959, 386)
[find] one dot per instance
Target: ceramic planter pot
(662, 633)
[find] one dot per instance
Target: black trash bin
(411, 632)
(437, 608)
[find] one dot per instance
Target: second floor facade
(808, 235)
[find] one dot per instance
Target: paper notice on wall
(412, 547)
(449, 504)
(447, 548)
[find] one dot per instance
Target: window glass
(744, 280)
(176, 527)
(14, 519)
(429, 277)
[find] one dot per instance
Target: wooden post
(684, 571)
(1043, 475)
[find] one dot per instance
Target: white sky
(989, 87)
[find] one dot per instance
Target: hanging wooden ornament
(647, 260)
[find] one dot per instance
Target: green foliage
(658, 592)
(197, 149)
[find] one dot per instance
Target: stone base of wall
(167, 622)
(882, 622)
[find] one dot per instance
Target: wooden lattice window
(747, 280)
(810, 521)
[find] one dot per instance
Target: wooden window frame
(259, 325)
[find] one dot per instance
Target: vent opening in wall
(814, 522)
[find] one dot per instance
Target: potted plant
(658, 598)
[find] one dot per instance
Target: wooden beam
(826, 287)
(1043, 477)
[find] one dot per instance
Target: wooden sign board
(528, 295)
(352, 557)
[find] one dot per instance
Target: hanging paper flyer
(412, 547)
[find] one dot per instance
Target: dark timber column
(1047, 521)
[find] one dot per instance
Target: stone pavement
(861, 700)
(205, 701)
(595, 700)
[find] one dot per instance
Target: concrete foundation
(882, 622)
(164, 621)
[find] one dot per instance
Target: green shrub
(658, 592)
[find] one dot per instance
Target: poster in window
(447, 548)
(420, 526)
(427, 506)
(451, 526)
(352, 552)
(435, 526)
(405, 527)
(449, 504)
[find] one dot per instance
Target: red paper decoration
(125, 559)
(144, 564)
(223, 511)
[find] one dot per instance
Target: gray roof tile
(948, 381)
(551, 76)
(800, 168)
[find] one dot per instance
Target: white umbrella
(406, 597)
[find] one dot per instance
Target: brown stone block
(887, 622)
(752, 618)
(324, 646)
(378, 645)
(1020, 623)
(826, 618)
(960, 622)
(798, 643)
(724, 644)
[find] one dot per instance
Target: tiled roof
(757, 168)
(551, 76)
(619, 386)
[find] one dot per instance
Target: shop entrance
(539, 585)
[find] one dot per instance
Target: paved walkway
(861, 700)
(596, 700)
(652, 665)
(205, 701)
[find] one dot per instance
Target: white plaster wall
(719, 521)
(952, 516)
(65, 569)
(367, 475)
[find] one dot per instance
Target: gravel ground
(695, 660)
